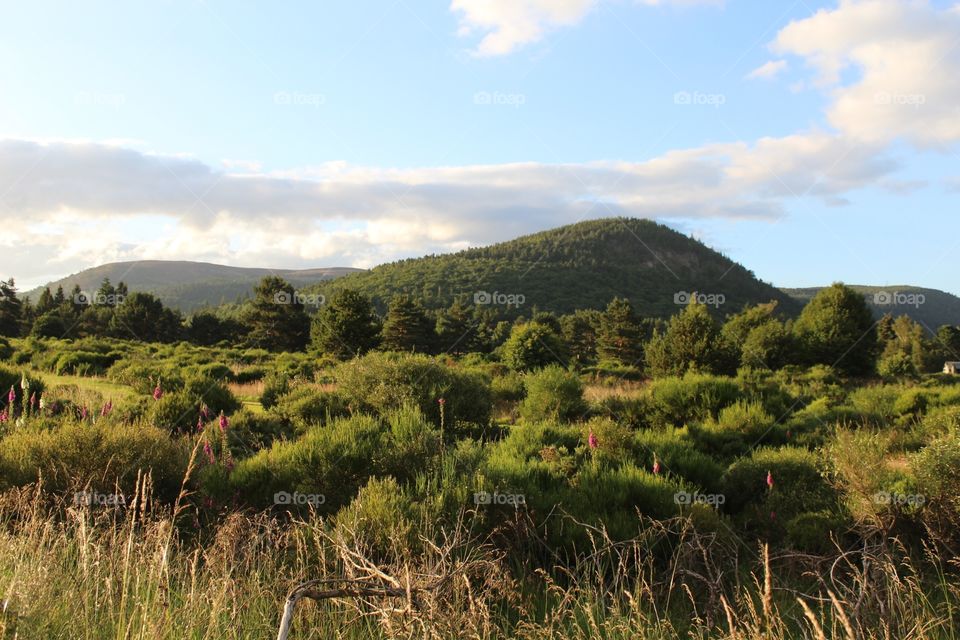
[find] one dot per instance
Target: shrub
(83, 363)
(250, 432)
(143, 375)
(305, 406)
(507, 387)
(333, 461)
(174, 412)
(78, 455)
(532, 345)
(413, 442)
(692, 398)
(875, 403)
(798, 485)
(737, 429)
(202, 390)
(937, 470)
(275, 386)
(678, 456)
(5, 349)
(385, 382)
(815, 531)
(553, 393)
(379, 521)
(912, 402)
(249, 374)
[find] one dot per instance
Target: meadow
(171, 490)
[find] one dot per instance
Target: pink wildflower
(208, 451)
(592, 441)
(223, 423)
(204, 411)
(199, 424)
(656, 466)
(442, 402)
(107, 408)
(769, 480)
(83, 412)
(157, 392)
(3, 415)
(33, 400)
(12, 396)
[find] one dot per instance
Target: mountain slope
(932, 308)
(188, 285)
(578, 266)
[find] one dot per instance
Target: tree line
(835, 328)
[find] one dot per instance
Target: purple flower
(83, 412)
(33, 400)
(199, 424)
(223, 423)
(3, 415)
(656, 466)
(592, 441)
(208, 451)
(769, 480)
(107, 408)
(12, 396)
(157, 392)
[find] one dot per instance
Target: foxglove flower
(12, 396)
(157, 392)
(592, 441)
(208, 451)
(33, 401)
(223, 423)
(769, 480)
(656, 466)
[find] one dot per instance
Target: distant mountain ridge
(578, 266)
(187, 285)
(931, 308)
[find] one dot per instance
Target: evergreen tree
(106, 295)
(456, 332)
(579, 331)
(45, 302)
(836, 328)
(11, 309)
(346, 326)
(406, 327)
(692, 342)
(276, 317)
(59, 298)
(620, 337)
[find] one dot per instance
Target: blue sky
(810, 141)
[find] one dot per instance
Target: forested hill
(932, 308)
(578, 266)
(187, 285)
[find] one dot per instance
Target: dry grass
(622, 389)
(69, 572)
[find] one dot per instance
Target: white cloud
(906, 59)
(507, 25)
(768, 70)
(71, 205)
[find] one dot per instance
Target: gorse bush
(305, 406)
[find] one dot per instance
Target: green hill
(578, 266)
(930, 307)
(188, 285)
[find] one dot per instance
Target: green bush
(210, 392)
(74, 456)
(5, 349)
(143, 375)
(83, 363)
(678, 456)
(692, 398)
(798, 485)
(175, 412)
(875, 404)
(332, 461)
(937, 470)
(389, 381)
(249, 374)
(379, 521)
(553, 394)
(250, 432)
(276, 385)
(305, 406)
(739, 427)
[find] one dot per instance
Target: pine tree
(346, 326)
(11, 309)
(620, 338)
(407, 327)
(456, 332)
(276, 317)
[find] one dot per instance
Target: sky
(812, 142)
